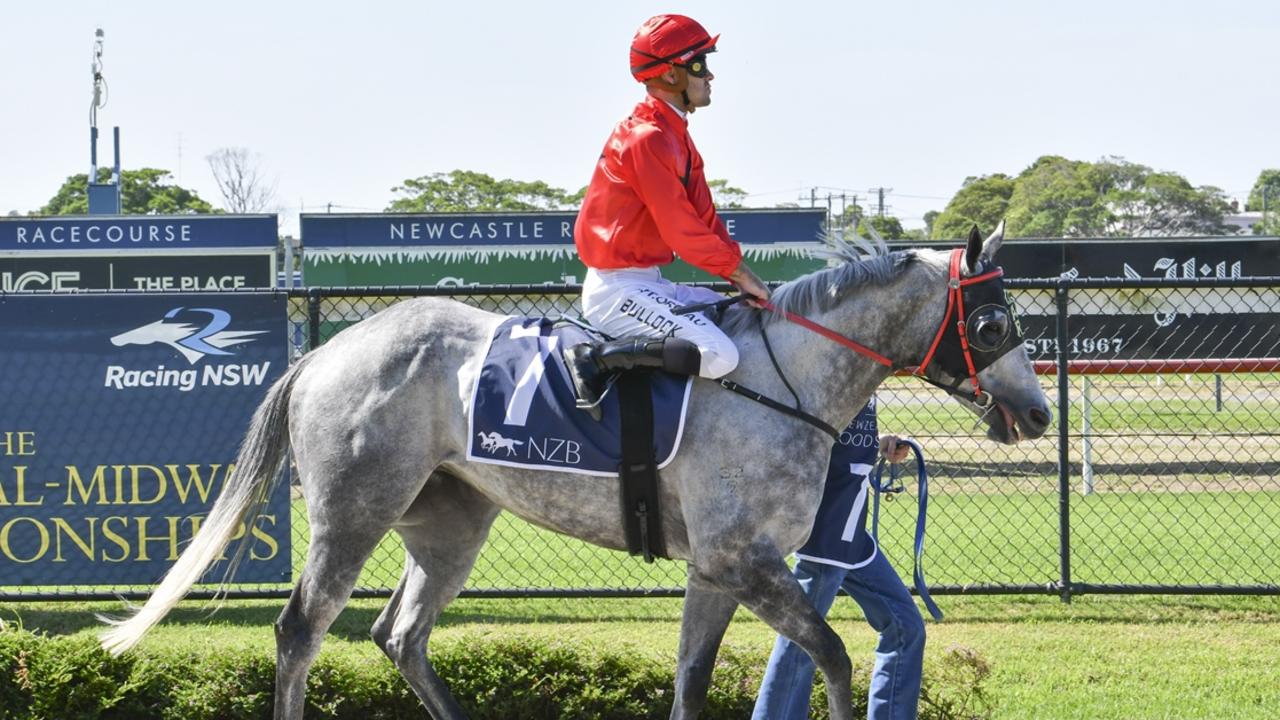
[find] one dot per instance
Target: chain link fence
(1162, 473)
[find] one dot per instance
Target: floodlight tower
(104, 198)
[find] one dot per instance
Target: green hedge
(71, 678)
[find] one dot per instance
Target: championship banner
(447, 249)
(133, 233)
(120, 422)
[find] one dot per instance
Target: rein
(879, 488)
(828, 333)
(797, 411)
(718, 307)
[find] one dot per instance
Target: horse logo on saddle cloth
(523, 415)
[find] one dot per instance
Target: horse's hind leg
(335, 557)
(443, 533)
(707, 612)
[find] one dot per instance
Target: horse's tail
(241, 501)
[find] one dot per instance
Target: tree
(1056, 197)
(725, 195)
(980, 200)
(1061, 198)
(1140, 202)
(1268, 180)
(930, 218)
(1265, 198)
(142, 192)
(887, 226)
(239, 177)
(468, 191)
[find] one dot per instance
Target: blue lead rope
(894, 486)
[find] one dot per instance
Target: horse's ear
(993, 243)
(973, 251)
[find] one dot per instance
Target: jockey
(648, 200)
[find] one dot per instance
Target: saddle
(523, 414)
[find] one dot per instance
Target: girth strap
(641, 513)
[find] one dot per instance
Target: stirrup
(593, 408)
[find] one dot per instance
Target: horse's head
(978, 355)
(943, 313)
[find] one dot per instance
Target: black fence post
(313, 318)
(1064, 447)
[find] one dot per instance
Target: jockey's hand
(748, 283)
(893, 448)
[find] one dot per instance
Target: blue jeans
(889, 608)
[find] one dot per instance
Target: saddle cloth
(522, 411)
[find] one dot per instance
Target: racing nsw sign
(119, 427)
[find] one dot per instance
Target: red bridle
(955, 306)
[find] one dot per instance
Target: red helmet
(667, 40)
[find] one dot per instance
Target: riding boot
(591, 365)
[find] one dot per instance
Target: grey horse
(377, 420)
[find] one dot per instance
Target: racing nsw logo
(195, 342)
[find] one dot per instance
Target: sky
(341, 102)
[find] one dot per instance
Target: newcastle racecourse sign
(473, 248)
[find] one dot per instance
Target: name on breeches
(644, 315)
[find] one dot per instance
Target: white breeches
(638, 301)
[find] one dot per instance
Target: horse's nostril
(1040, 417)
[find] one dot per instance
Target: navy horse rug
(523, 414)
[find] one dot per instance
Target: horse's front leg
(759, 579)
(707, 612)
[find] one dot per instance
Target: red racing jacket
(648, 199)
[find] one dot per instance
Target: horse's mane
(858, 262)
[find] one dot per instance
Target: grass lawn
(1098, 657)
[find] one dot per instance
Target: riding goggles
(697, 66)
